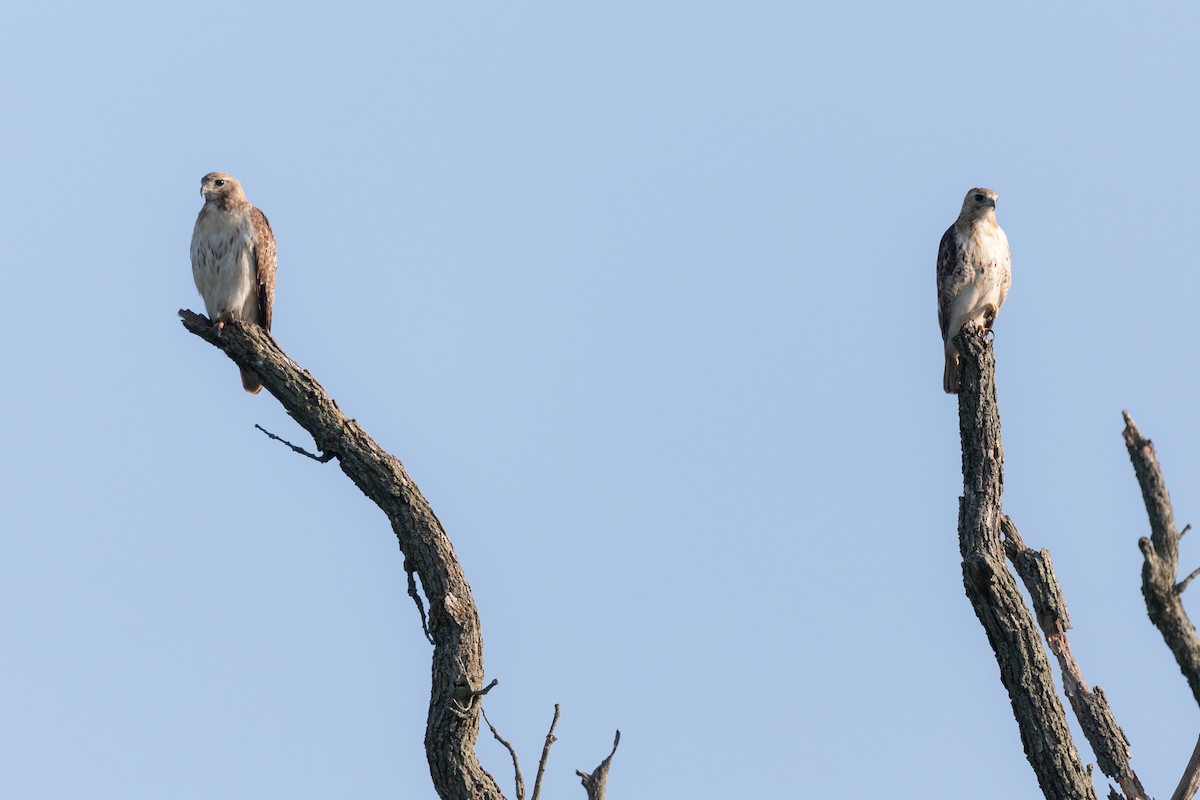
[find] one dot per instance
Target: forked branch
(1091, 708)
(596, 784)
(1160, 553)
(1024, 667)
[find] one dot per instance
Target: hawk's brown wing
(949, 261)
(264, 262)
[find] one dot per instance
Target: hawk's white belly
(987, 287)
(223, 265)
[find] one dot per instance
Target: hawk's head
(220, 187)
(979, 202)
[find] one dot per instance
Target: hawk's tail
(250, 382)
(952, 374)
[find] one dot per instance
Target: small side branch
(541, 770)
(324, 459)
(1183, 584)
(1091, 707)
(596, 784)
(1160, 553)
(411, 570)
(512, 752)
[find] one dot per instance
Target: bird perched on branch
(974, 271)
(233, 259)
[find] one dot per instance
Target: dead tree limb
(1161, 559)
(518, 778)
(452, 725)
(596, 784)
(1189, 784)
(541, 770)
(1091, 708)
(1024, 666)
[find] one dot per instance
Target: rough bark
(453, 721)
(1161, 559)
(1091, 707)
(1024, 666)
(596, 784)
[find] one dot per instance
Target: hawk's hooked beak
(991, 201)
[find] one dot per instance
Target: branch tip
(1183, 584)
(541, 770)
(325, 458)
(511, 751)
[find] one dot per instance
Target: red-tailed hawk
(974, 272)
(233, 258)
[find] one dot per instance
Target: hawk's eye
(222, 183)
(978, 197)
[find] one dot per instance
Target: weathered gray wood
(1161, 559)
(596, 784)
(1189, 784)
(452, 726)
(1024, 666)
(1091, 707)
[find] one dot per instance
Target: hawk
(233, 259)
(974, 272)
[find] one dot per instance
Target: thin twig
(1189, 784)
(512, 752)
(415, 595)
(1183, 584)
(324, 459)
(541, 770)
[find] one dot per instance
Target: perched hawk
(973, 275)
(233, 258)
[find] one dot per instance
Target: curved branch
(512, 751)
(1161, 559)
(596, 784)
(453, 721)
(1024, 666)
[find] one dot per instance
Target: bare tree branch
(541, 770)
(1108, 741)
(324, 459)
(596, 784)
(1183, 584)
(1189, 784)
(452, 725)
(1161, 559)
(1024, 667)
(512, 752)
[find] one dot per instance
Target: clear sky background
(642, 294)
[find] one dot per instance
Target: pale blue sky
(642, 295)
